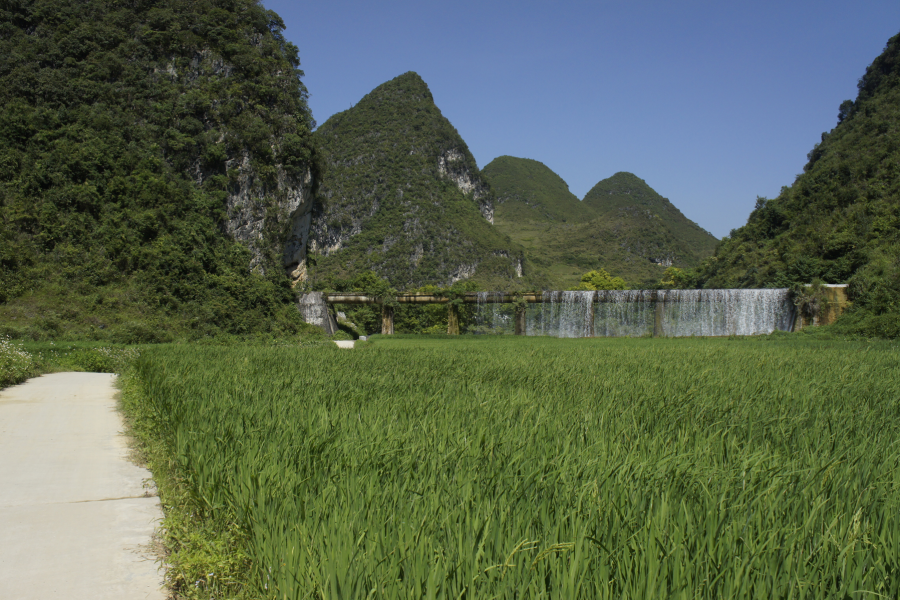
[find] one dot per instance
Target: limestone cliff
(268, 203)
(268, 218)
(155, 155)
(401, 194)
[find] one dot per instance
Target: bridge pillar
(520, 320)
(452, 319)
(658, 307)
(387, 320)
(591, 318)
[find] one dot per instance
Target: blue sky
(711, 103)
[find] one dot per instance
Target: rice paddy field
(504, 467)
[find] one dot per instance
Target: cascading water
(491, 316)
(562, 314)
(615, 313)
(480, 308)
(501, 319)
(725, 312)
(623, 313)
(576, 314)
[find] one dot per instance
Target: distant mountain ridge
(622, 224)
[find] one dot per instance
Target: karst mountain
(400, 194)
(622, 225)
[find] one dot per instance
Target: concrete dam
(603, 313)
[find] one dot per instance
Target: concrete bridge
(387, 312)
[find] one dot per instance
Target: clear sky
(711, 103)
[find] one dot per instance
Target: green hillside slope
(840, 220)
(138, 142)
(622, 225)
(529, 190)
(401, 195)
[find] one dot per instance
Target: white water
(726, 312)
(623, 313)
(632, 313)
(491, 316)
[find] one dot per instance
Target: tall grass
(522, 468)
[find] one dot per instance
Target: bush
(103, 360)
(16, 364)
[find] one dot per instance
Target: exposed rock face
(452, 165)
(663, 261)
(271, 220)
(315, 312)
(463, 272)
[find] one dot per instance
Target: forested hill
(401, 194)
(625, 192)
(152, 155)
(529, 190)
(840, 220)
(622, 225)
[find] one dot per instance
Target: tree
(679, 279)
(601, 280)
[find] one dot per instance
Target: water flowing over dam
(635, 313)
(604, 313)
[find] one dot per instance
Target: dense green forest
(840, 220)
(125, 128)
(401, 195)
(622, 225)
(147, 152)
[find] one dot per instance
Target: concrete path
(75, 517)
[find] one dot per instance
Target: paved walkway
(75, 518)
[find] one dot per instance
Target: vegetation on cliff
(401, 195)
(622, 225)
(125, 128)
(840, 220)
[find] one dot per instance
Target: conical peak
(407, 87)
(524, 172)
(622, 183)
(624, 179)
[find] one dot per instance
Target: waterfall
(480, 303)
(562, 314)
(501, 320)
(576, 314)
(623, 313)
(725, 312)
(491, 316)
(635, 313)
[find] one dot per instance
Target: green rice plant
(501, 467)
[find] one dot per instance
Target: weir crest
(608, 313)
